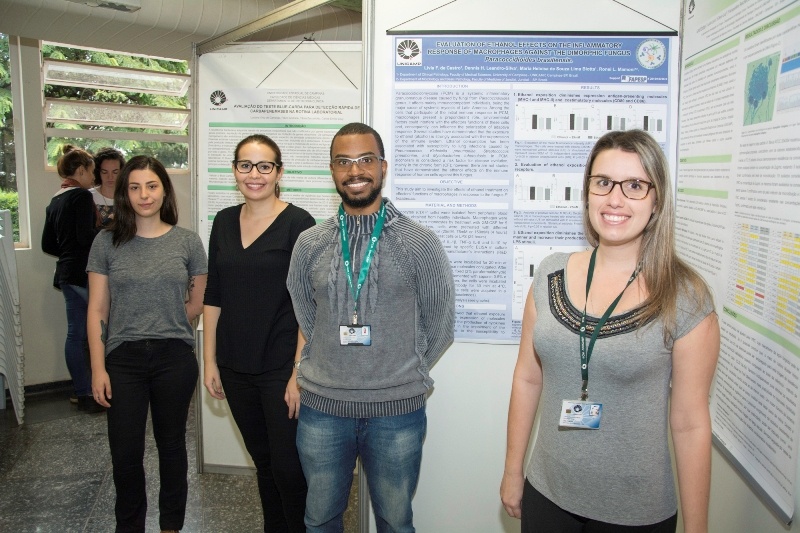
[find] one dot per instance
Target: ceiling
(167, 28)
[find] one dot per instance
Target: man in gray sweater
(373, 294)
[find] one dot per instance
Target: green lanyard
(586, 354)
(348, 267)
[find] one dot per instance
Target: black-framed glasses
(633, 189)
(344, 163)
(264, 167)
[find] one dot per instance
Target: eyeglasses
(633, 189)
(263, 167)
(344, 163)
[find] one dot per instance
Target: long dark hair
(124, 225)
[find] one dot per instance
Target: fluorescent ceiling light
(78, 74)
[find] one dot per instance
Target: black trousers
(540, 515)
(258, 407)
(160, 375)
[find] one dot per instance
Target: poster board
(738, 223)
(501, 128)
(297, 93)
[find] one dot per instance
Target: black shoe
(87, 403)
(73, 399)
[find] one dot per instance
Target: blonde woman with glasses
(618, 344)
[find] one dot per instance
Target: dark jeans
(262, 415)
(161, 374)
(539, 514)
(76, 348)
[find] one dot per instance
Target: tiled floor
(55, 477)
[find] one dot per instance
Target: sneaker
(87, 403)
(73, 399)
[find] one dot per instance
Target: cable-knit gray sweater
(408, 300)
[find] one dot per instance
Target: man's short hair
(359, 128)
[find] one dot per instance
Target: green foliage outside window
(8, 174)
(10, 200)
(172, 155)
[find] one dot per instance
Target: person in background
(250, 362)
(69, 229)
(628, 327)
(107, 164)
(146, 282)
(375, 299)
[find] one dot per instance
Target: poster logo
(409, 52)
(218, 98)
(651, 53)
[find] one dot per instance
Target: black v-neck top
(257, 330)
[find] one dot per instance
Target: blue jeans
(390, 448)
(76, 348)
(160, 374)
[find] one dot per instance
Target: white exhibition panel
(220, 448)
(464, 454)
(240, 72)
(465, 446)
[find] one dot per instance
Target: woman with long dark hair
(146, 282)
(249, 329)
(69, 229)
(108, 163)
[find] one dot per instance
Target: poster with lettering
(738, 223)
(490, 139)
(298, 96)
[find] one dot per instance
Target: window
(8, 167)
(136, 104)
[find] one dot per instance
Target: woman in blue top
(146, 282)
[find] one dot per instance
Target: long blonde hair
(667, 276)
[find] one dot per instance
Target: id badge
(584, 415)
(355, 335)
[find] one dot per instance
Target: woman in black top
(249, 328)
(69, 229)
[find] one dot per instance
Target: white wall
(44, 324)
(464, 452)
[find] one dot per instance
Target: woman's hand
(101, 387)
(211, 380)
(292, 396)
(511, 493)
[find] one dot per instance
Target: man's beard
(358, 203)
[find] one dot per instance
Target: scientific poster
(739, 224)
(301, 122)
(490, 140)
(297, 94)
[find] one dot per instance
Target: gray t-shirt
(147, 280)
(620, 473)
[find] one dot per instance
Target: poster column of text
(739, 223)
